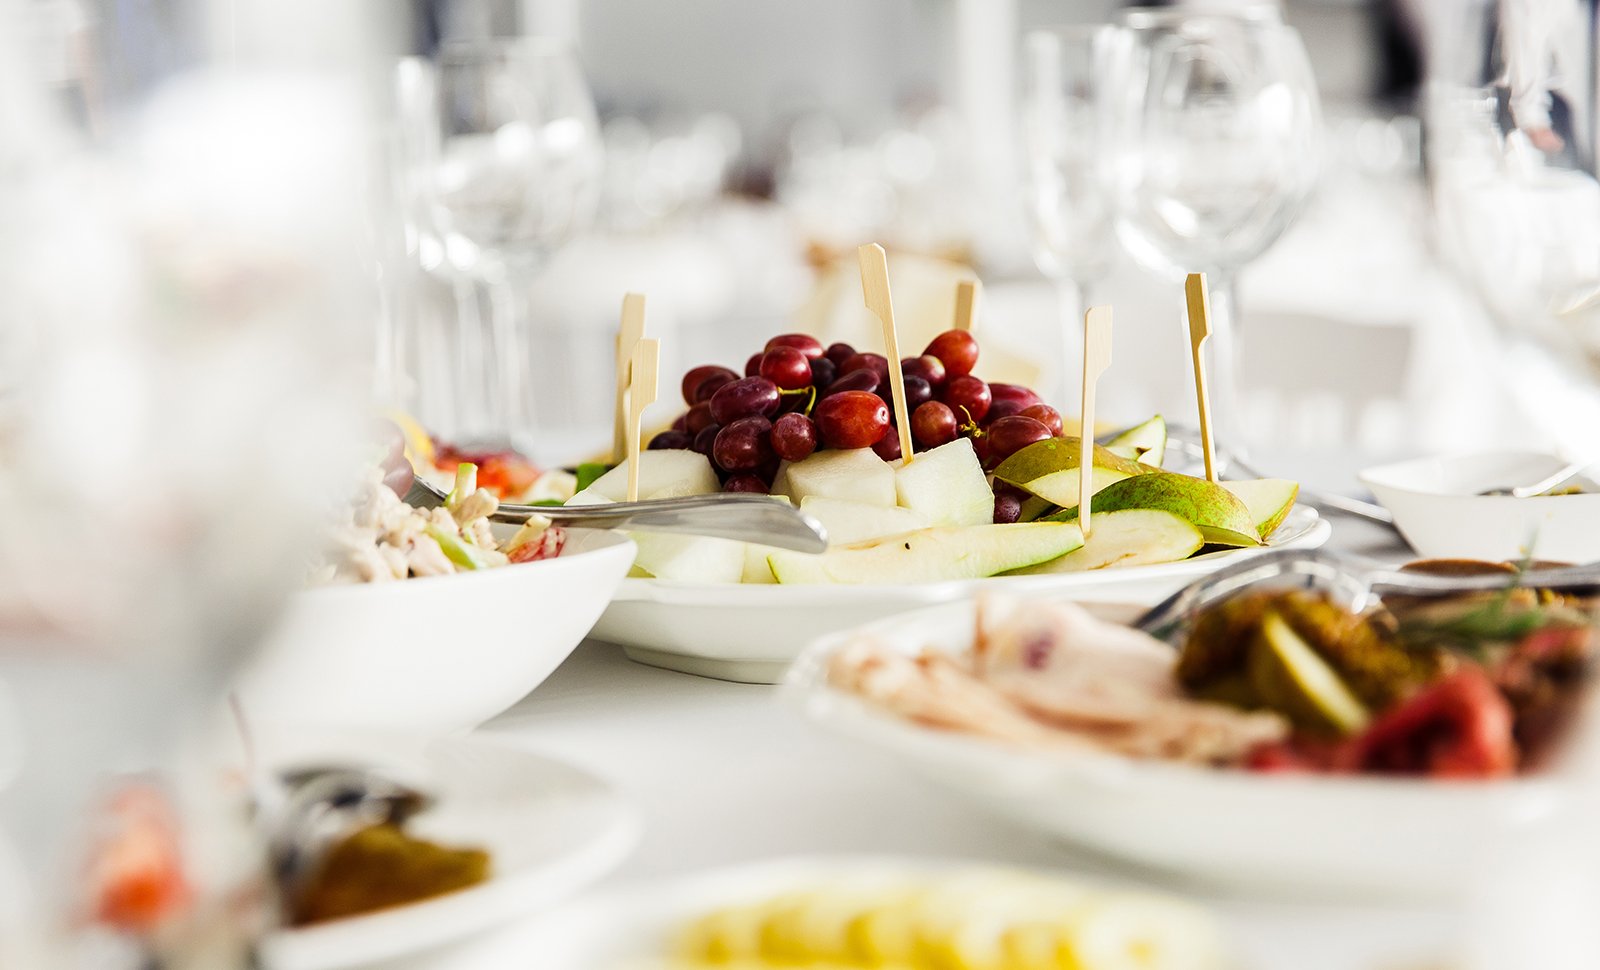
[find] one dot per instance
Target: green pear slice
(1133, 537)
(1221, 518)
(1292, 678)
(1145, 442)
(1035, 508)
(1049, 469)
(953, 552)
(947, 485)
(1268, 499)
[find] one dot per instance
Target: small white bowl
(1436, 507)
(432, 655)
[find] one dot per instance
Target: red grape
(1007, 508)
(681, 422)
(1010, 435)
(928, 368)
(980, 447)
(864, 379)
(808, 345)
(933, 424)
(743, 398)
(877, 363)
(839, 353)
(888, 447)
(957, 350)
(786, 367)
(752, 367)
(852, 419)
(745, 483)
(742, 446)
(671, 439)
(918, 393)
(967, 393)
(823, 372)
(698, 419)
(1045, 415)
(697, 377)
(794, 437)
(706, 438)
(1024, 396)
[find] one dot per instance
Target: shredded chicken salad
(385, 539)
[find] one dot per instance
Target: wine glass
(511, 160)
(1066, 131)
(1218, 129)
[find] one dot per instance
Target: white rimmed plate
(550, 828)
(752, 633)
(1305, 834)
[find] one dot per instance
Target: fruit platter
(978, 490)
(1455, 719)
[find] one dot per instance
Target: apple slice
(853, 475)
(1268, 499)
(1131, 537)
(947, 485)
(952, 552)
(1049, 469)
(1146, 443)
(668, 473)
(1220, 516)
(851, 522)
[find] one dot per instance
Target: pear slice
(691, 559)
(1132, 537)
(947, 485)
(667, 473)
(850, 474)
(1146, 443)
(851, 522)
(1035, 508)
(1268, 499)
(953, 552)
(1049, 469)
(1221, 517)
(1293, 679)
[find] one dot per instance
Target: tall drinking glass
(512, 157)
(1066, 131)
(1218, 123)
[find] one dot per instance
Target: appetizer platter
(1449, 719)
(852, 912)
(930, 482)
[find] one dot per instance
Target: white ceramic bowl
(432, 655)
(1302, 834)
(1437, 508)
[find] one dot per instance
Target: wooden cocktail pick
(1096, 358)
(1199, 301)
(875, 290)
(967, 293)
(645, 371)
(632, 330)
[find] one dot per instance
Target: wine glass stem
(1222, 367)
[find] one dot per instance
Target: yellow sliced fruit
(1292, 678)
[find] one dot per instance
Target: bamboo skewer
(1096, 358)
(967, 294)
(1199, 302)
(645, 373)
(875, 291)
(628, 337)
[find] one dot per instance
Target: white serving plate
(437, 654)
(1436, 507)
(551, 829)
(1305, 834)
(752, 633)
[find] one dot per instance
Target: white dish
(752, 633)
(1437, 508)
(550, 828)
(1306, 834)
(437, 654)
(635, 927)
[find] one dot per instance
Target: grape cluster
(796, 397)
